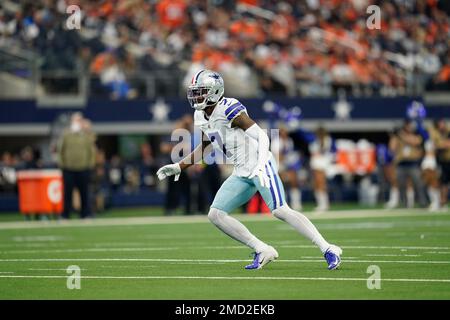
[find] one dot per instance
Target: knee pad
(214, 215)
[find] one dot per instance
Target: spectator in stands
(268, 43)
(112, 76)
(76, 155)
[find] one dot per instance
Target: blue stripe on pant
(236, 191)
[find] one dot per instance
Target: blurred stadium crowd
(311, 47)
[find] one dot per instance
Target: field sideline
(188, 258)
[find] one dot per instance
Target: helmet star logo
(215, 76)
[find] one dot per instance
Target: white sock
(410, 198)
(322, 199)
(302, 224)
(296, 198)
(394, 196)
(435, 197)
(235, 229)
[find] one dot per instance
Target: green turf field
(188, 258)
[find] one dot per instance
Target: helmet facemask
(198, 97)
(206, 89)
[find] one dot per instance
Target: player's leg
(68, 193)
(394, 194)
(402, 183)
(410, 192)
(431, 180)
(234, 192)
(444, 181)
(320, 190)
(275, 199)
(294, 191)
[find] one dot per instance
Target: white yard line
(217, 260)
(374, 247)
(91, 250)
(225, 278)
(392, 255)
(194, 247)
(438, 252)
(340, 214)
(50, 269)
(368, 225)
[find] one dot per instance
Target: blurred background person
(76, 156)
(442, 145)
(407, 146)
(429, 169)
(385, 158)
(321, 149)
(99, 183)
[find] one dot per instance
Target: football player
(228, 127)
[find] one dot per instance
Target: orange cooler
(40, 191)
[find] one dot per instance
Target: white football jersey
(231, 145)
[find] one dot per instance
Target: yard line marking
(214, 260)
(315, 257)
(227, 278)
(128, 267)
(438, 252)
(125, 249)
(92, 250)
(392, 255)
(50, 269)
(38, 238)
(375, 225)
(337, 214)
(373, 247)
(196, 263)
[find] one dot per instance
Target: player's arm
(244, 122)
(194, 155)
(175, 168)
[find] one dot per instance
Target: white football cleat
(262, 258)
(333, 257)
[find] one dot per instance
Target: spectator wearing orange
(171, 13)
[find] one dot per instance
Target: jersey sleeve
(233, 109)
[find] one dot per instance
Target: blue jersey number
(215, 137)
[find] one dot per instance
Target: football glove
(169, 170)
(264, 179)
